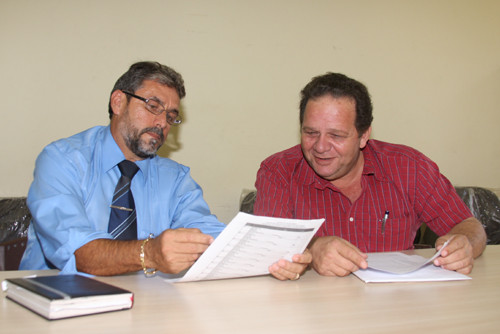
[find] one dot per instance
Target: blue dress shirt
(70, 198)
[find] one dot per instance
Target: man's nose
(161, 120)
(322, 144)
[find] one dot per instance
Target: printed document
(250, 244)
(400, 267)
(399, 263)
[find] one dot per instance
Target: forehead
(163, 93)
(327, 109)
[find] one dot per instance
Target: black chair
(15, 218)
(484, 205)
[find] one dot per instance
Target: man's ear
(118, 102)
(364, 138)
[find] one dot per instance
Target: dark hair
(147, 70)
(339, 85)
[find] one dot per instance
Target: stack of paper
(400, 267)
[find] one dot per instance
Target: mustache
(155, 130)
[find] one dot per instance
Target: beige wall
(432, 67)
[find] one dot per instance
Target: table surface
(313, 304)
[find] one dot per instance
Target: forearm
(104, 257)
(474, 231)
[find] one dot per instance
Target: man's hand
(469, 241)
(284, 270)
(457, 255)
(334, 256)
(175, 250)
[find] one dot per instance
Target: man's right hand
(175, 250)
(334, 256)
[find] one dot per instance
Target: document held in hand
(250, 244)
(400, 267)
(63, 296)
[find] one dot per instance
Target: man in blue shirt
(74, 185)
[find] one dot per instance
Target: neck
(350, 184)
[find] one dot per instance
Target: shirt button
(351, 219)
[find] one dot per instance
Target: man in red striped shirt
(373, 195)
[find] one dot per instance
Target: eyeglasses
(156, 108)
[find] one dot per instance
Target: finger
(457, 266)
(188, 249)
(305, 258)
(175, 256)
(195, 236)
(332, 271)
(467, 270)
(278, 275)
(335, 267)
(286, 270)
(333, 256)
(191, 246)
(451, 244)
(354, 258)
(183, 235)
(291, 269)
(345, 267)
(455, 261)
(458, 249)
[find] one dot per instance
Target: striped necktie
(122, 220)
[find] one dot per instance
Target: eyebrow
(154, 98)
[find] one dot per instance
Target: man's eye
(337, 137)
(311, 133)
(153, 106)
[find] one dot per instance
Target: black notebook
(63, 296)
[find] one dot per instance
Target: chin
(148, 152)
(328, 175)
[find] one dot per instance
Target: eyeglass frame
(175, 120)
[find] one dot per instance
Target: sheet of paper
(250, 244)
(427, 273)
(400, 267)
(399, 263)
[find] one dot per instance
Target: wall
(432, 67)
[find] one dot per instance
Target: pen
(384, 220)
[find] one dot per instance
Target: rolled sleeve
(60, 224)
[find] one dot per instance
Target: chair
(15, 218)
(484, 205)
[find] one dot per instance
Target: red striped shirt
(395, 178)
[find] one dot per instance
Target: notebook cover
(66, 286)
(64, 296)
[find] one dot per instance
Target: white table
(313, 304)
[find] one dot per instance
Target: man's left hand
(286, 270)
(457, 255)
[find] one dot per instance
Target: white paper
(399, 263)
(426, 273)
(400, 267)
(250, 244)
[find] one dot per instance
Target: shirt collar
(372, 165)
(112, 155)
